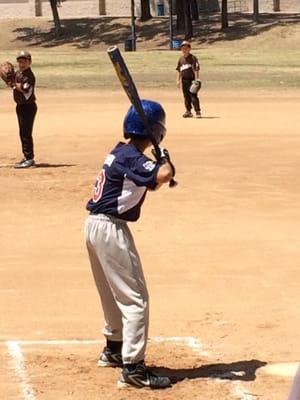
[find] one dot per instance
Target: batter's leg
(116, 251)
(113, 317)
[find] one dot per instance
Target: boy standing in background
(26, 109)
(188, 68)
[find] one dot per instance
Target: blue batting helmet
(156, 116)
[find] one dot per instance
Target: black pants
(189, 98)
(26, 114)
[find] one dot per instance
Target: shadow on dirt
(106, 31)
(236, 371)
(48, 165)
(41, 165)
(209, 117)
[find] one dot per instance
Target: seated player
(119, 193)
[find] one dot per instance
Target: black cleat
(25, 164)
(188, 114)
(198, 114)
(109, 359)
(141, 377)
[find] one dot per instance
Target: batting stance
(119, 193)
(24, 96)
(187, 72)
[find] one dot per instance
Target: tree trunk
(180, 15)
(102, 7)
(188, 24)
(256, 11)
(224, 16)
(276, 5)
(145, 10)
(56, 19)
(194, 10)
(38, 8)
(171, 23)
(133, 27)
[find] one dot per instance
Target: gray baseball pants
(120, 282)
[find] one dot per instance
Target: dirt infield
(220, 251)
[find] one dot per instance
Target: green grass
(221, 68)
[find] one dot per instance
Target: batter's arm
(164, 174)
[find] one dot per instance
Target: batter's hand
(163, 157)
(164, 153)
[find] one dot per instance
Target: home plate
(283, 369)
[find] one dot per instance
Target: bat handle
(173, 183)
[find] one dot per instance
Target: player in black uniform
(188, 70)
(26, 108)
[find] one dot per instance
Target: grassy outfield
(221, 68)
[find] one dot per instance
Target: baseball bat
(132, 93)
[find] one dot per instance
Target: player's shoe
(142, 377)
(25, 164)
(109, 359)
(198, 114)
(188, 114)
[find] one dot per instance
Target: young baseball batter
(187, 71)
(120, 190)
(26, 109)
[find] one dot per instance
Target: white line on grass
(19, 367)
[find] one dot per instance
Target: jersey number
(98, 190)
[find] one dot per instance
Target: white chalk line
(58, 342)
(18, 365)
(240, 391)
(15, 351)
(189, 341)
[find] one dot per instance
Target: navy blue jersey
(122, 183)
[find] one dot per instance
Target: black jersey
(187, 65)
(27, 81)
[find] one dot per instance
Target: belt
(107, 217)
